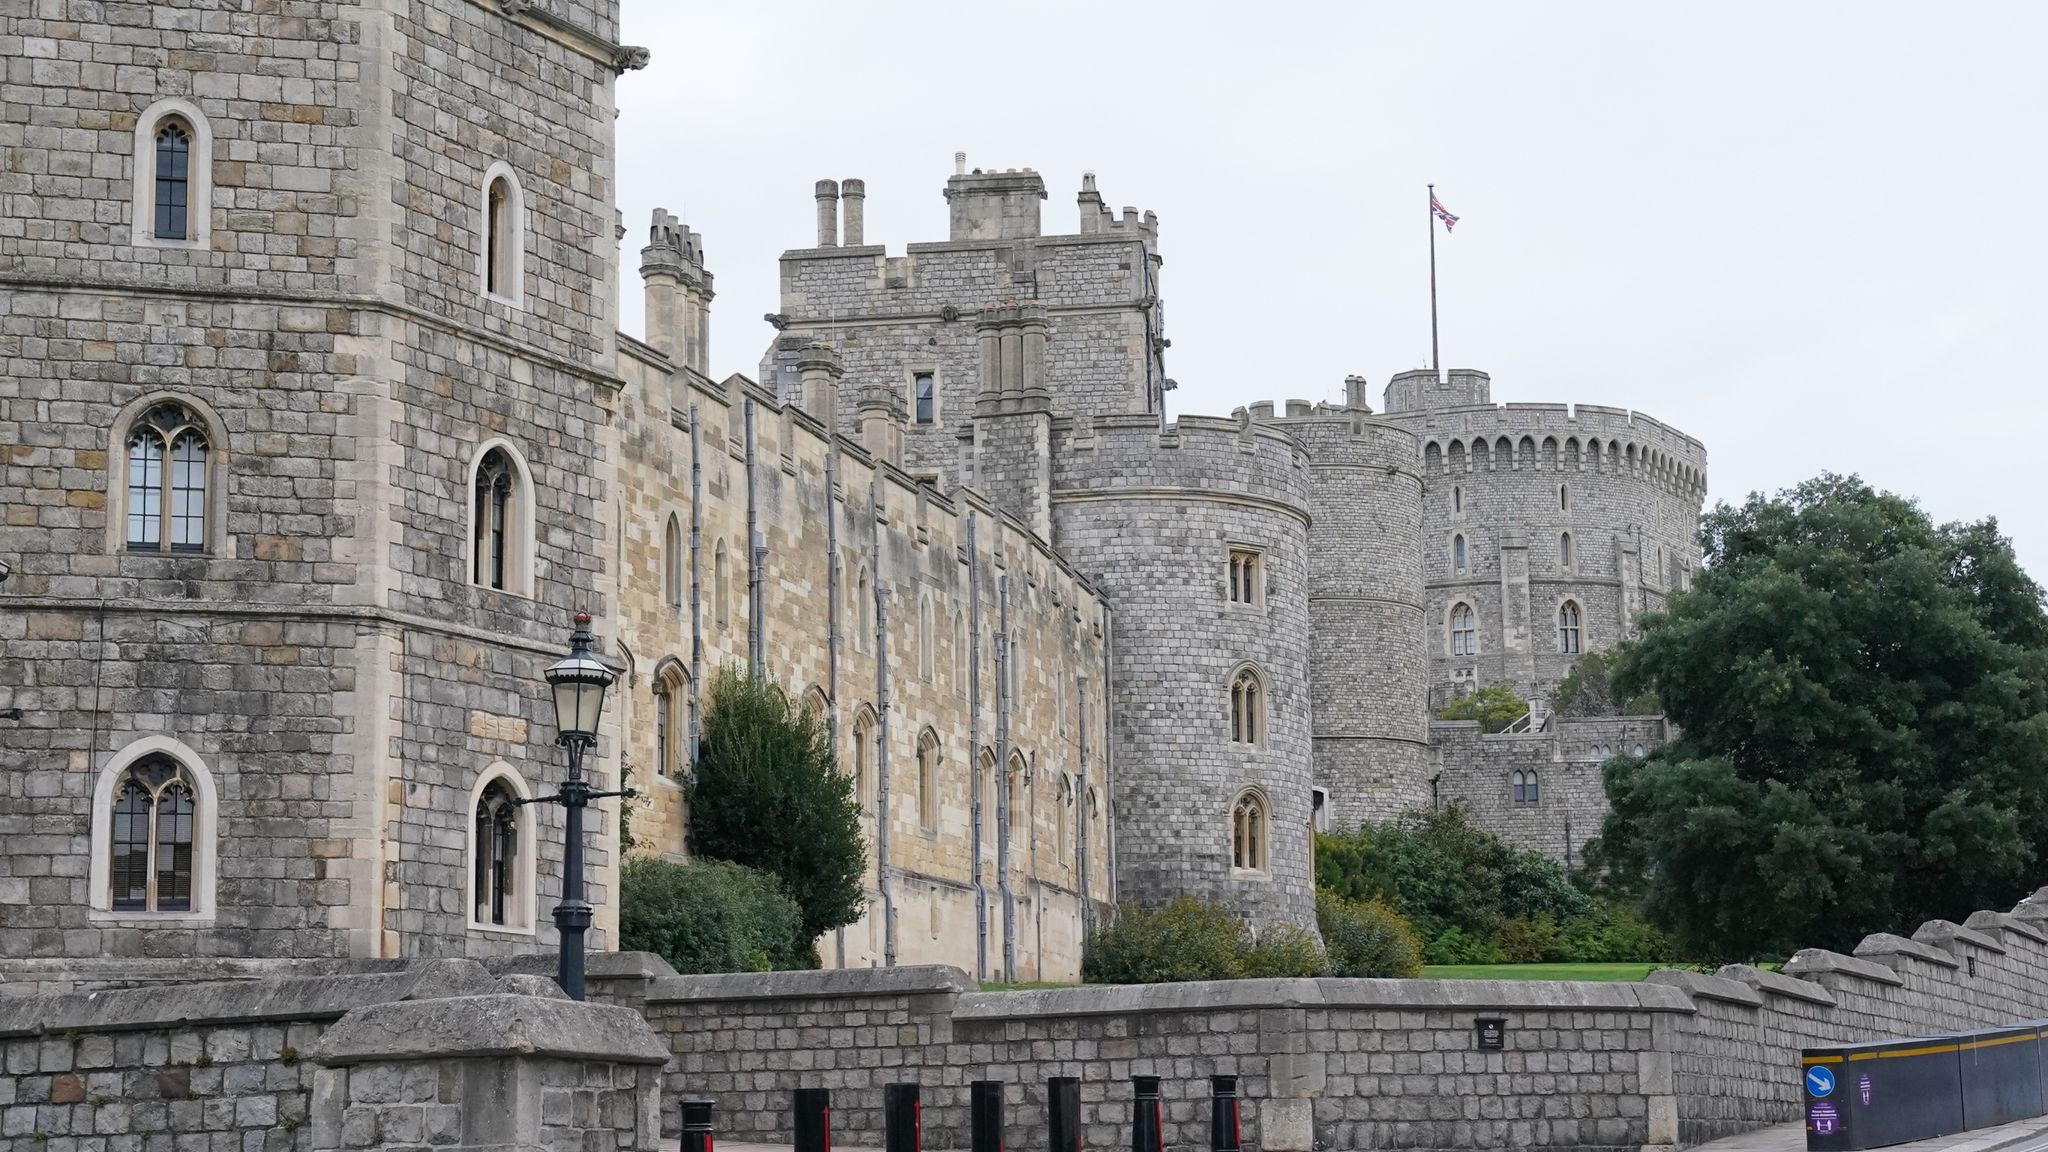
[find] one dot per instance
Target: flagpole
(1436, 363)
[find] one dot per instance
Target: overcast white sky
(1812, 235)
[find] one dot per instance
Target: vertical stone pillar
(818, 371)
(512, 1069)
(1517, 632)
(661, 270)
(853, 198)
(1031, 330)
(881, 422)
(989, 329)
(828, 213)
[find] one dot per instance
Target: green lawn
(1538, 971)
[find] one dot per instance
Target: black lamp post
(579, 681)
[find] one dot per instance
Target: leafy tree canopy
(768, 796)
(1495, 707)
(1863, 704)
(1589, 691)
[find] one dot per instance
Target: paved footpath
(2021, 1136)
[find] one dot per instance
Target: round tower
(1198, 534)
(1370, 682)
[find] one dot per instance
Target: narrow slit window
(924, 394)
(1458, 554)
(173, 181)
(498, 239)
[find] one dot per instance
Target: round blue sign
(1820, 1082)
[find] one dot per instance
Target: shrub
(1495, 707)
(1185, 940)
(710, 916)
(1285, 950)
(767, 795)
(1456, 946)
(1589, 690)
(1528, 941)
(1366, 938)
(1613, 934)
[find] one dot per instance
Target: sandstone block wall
(914, 539)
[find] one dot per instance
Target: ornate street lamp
(579, 681)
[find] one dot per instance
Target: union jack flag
(1442, 213)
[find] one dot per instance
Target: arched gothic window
(960, 670)
(863, 612)
(500, 521)
(173, 174)
(1564, 497)
(1524, 787)
(863, 754)
(1247, 708)
(1564, 550)
(502, 254)
(1020, 808)
(721, 585)
(927, 640)
(928, 780)
(155, 815)
(671, 720)
(1568, 627)
(1464, 632)
(814, 704)
(496, 857)
(672, 561)
(1457, 498)
(169, 459)
(1458, 554)
(985, 784)
(1248, 833)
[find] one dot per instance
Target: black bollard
(814, 1120)
(985, 1098)
(1225, 1135)
(697, 1125)
(1063, 1114)
(902, 1119)
(1148, 1127)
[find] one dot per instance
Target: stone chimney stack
(853, 208)
(678, 293)
(819, 371)
(1091, 205)
(1354, 392)
(828, 213)
(881, 422)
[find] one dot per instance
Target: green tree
(709, 916)
(1495, 707)
(768, 796)
(1862, 698)
(1589, 691)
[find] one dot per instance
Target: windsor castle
(318, 430)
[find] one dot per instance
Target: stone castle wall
(1632, 513)
(1154, 514)
(1368, 676)
(323, 660)
(1475, 772)
(914, 540)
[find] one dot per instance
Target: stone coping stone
(1942, 933)
(596, 965)
(1251, 995)
(1989, 921)
(1886, 944)
(180, 970)
(234, 1001)
(1813, 963)
(495, 1024)
(833, 983)
(1700, 985)
(1779, 984)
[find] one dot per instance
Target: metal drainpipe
(975, 784)
(1081, 803)
(1003, 778)
(696, 593)
(832, 617)
(1108, 754)
(882, 738)
(756, 659)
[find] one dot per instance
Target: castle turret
(678, 292)
(1013, 413)
(1424, 388)
(995, 205)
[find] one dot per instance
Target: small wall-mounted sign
(1493, 1033)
